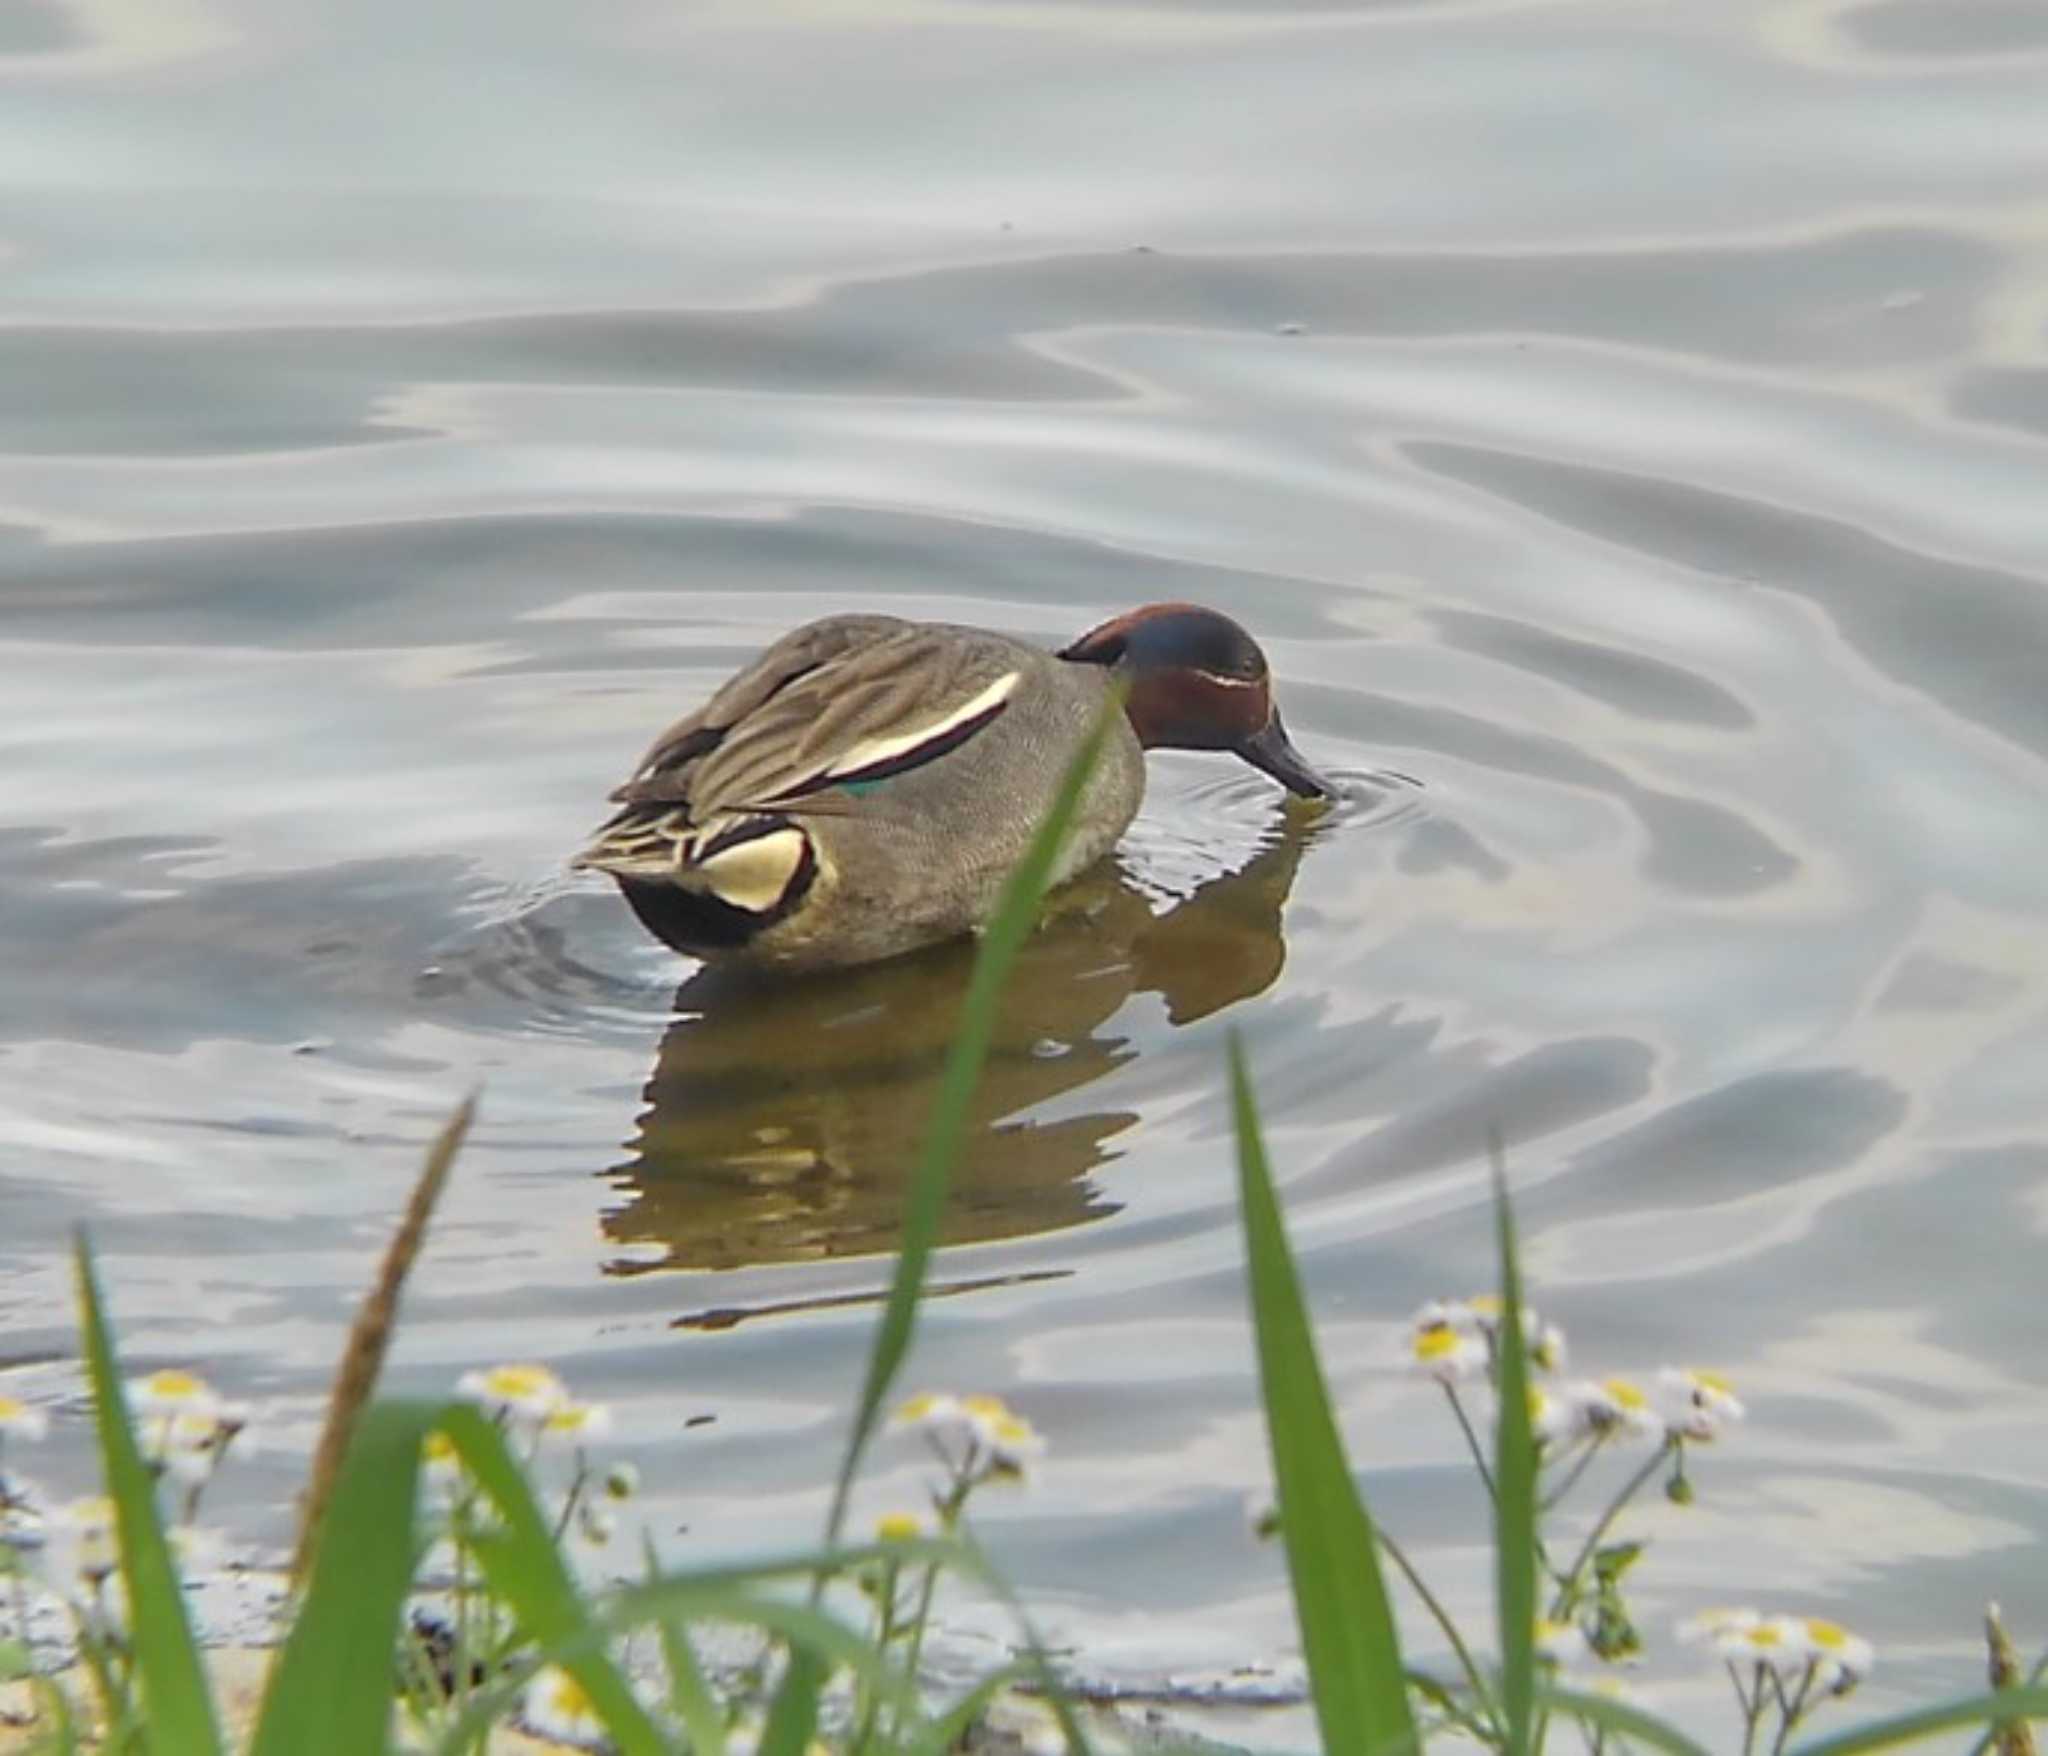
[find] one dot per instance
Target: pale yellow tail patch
(871, 751)
(754, 874)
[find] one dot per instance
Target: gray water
(1626, 422)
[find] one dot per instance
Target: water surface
(1623, 425)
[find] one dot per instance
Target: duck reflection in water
(783, 1117)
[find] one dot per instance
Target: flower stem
(948, 1510)
(1752, 1704)
(870, 1703)
(1568, 1584)
(1571, 1480)
(1472, 1440)
(1443, 1620)
(1794, 1709)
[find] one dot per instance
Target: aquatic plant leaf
(330, 1691)
(1015, 916)
(525, 1568)
(1514, 1481)
(793, 1718)
(1921, 1722)
(1604, 1713)
(177, 1704)
(1340, 1600)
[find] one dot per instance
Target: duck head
(1197, 681)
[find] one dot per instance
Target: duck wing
(664, 776)
(825, 712)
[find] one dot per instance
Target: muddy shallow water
(1623, 425)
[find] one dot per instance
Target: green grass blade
(1904, 1728)
(526, 1570)
(1514, 1481)
(793, 1719)
(680, 1600)
(1016, 914)
(689, 1695)
(976, 1564)
(1618, 1717)
(176, 1701)
(330, 1691)
(1347, 1628)
(949, 1728)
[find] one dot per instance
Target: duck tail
(756, 863)
(637, 844)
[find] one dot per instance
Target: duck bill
(1270, 749)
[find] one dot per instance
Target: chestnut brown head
(1197, 681)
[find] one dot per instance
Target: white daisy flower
(1446, 1353)
(1708, 1626)
(171, 1392)
(1613, 1408)
(21, 1420)
(1552, 1416)
(1013, 1444)
(1484, 1311)
(525, 1393)
(1694, 1405)
(1561, 1643)
(1480, 1317)
(1779, 1643)
(984, 1413)
(1446, 1314)
(185, 1447)
(81, 1548)
(556, 1706)
(1844, 1659)
(577, 1422)
(940, 1415)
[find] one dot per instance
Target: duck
(863, 788)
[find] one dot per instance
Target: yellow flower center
(992, 1408)
(1712, 1381)
(1762, 1635)
(519, 1381)
(570, 1418)
(94, 1513)
(1829, 1634)
(1484, 1304)
(171, 1385)
(568, 1697)
(919, 1406)
(12, 1408)
(439, 1448)
(1437, 1344)
(899, 1527)
(1625, 1395)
